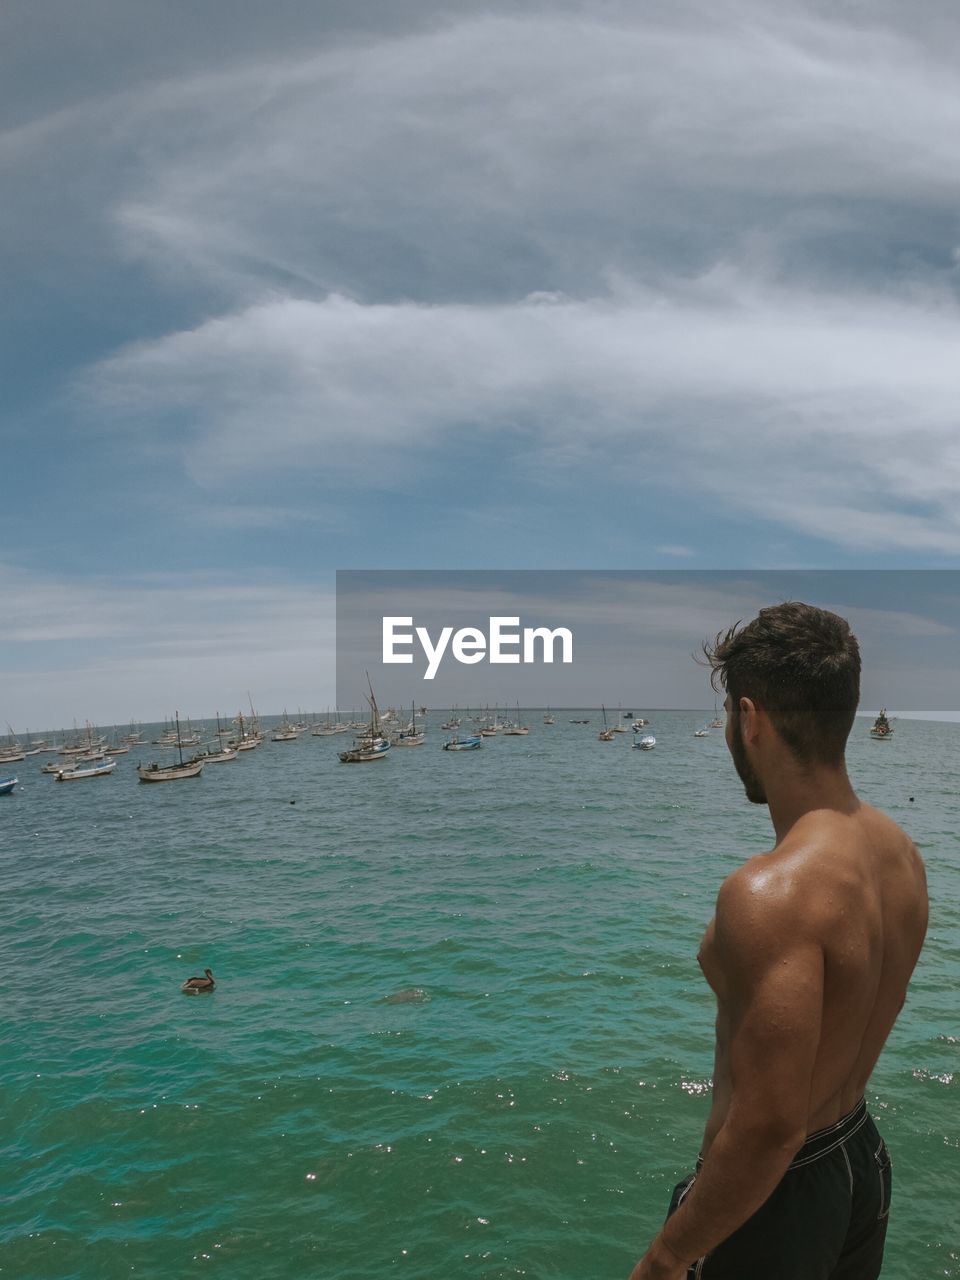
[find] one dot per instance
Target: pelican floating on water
(194, 986)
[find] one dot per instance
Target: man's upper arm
(772, 970)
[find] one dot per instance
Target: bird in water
(195, 986)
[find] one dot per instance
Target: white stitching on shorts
(685, 1190)
(849, 1170)
(818, 1155)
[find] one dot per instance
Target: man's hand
(658, 1263)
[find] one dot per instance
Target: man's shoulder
(777, 898)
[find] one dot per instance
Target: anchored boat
(882, 728)
(171, 772)
(371, 744)
(95, 771)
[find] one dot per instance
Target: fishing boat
(223, 755)
(411, 736)
(517, 729)
(94, 771)
(329, 729)
(7, 785)
(639, 724)
(371, 744)
(463, 744)
(606, 733)
(882, 728)
(646, 743)
(172, 772)
(285, 731)
(169, 773)
(244, 739)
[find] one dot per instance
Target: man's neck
(794, 792)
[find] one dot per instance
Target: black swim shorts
(826, 1219)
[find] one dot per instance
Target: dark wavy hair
(802, 665)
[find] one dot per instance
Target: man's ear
(750, 716)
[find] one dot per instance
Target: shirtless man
(809, 955)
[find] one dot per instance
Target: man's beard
(751, 783)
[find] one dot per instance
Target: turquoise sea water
(526, 1115)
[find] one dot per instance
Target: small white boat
(646, 743)
(95, 771)
(463, 744)
(701, 733)
(7, 785)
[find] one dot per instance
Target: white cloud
(804, 409)
(694, 245)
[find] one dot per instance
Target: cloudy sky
(316, 285)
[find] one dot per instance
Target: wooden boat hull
(169, 773)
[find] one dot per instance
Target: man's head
(800, 666)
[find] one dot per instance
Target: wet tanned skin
(809, 955)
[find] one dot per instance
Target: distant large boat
(882, 728)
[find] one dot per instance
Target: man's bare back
(852, 891)
(810, 953)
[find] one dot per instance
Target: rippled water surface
(458, 1028)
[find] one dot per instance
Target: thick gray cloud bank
(712, 245)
